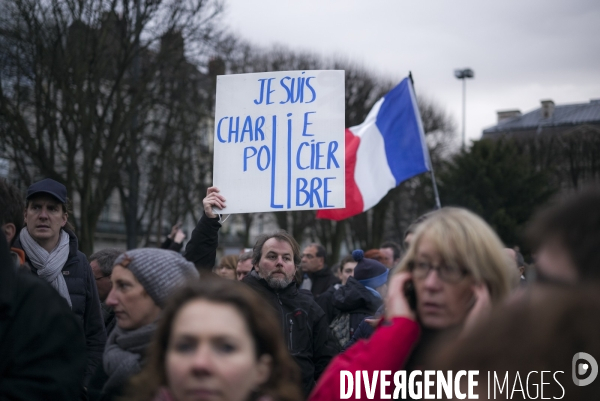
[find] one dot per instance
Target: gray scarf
(49, 265)
(123, 354)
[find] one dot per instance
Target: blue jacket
(84, 298)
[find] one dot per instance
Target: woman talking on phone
(453, 272)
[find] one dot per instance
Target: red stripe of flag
(354, 200)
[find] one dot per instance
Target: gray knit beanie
(160, 271)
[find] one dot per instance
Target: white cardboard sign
(279, 141)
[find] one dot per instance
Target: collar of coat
(324, 272)
(73, 244)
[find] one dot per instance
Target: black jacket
(42, 348)
(171, 245)
(322, 280)
(84, 299)
(354, 299)
(201, 249)
(364, 329)
(304, 326)
(325, 301)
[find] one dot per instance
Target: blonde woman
(453, 271)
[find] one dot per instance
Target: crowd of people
(276, 322)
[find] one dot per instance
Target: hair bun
(358, 255)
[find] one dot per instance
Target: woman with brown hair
(227, 267)
(217, 340)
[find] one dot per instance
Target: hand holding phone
(396, 303)
(410, 294)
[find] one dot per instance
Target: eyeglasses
(449, 274)
(101, 277)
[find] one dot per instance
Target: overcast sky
(521, 51)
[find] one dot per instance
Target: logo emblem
(581, 369)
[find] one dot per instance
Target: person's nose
(433, 281)
(111, 299)
(43, 213)
(203, 360)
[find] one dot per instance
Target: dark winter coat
(171, 245)
(84, 299)
(355, 300)
(364, 329)
(42, 347)
(325, 302)
(304, 326)
(322, 280)
(201, 249)
(110, 320)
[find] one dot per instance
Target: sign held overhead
(279, 141)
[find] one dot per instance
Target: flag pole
(438, 204)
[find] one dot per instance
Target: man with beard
(275, 258)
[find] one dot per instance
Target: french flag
(387, 148)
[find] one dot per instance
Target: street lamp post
(464, 74)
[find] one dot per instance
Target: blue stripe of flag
(398, 122)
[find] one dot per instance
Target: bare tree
(79, 90)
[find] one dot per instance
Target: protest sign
(279, 141)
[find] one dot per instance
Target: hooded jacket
(85, 301)
(304, 326)
(354, 299)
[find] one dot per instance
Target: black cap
(48, 186)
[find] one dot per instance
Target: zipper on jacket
(291, 329)
(279, 299)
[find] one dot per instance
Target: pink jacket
(388, 349)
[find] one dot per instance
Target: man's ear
(10, 230)
(65, 219)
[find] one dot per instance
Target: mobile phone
(410, 294)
